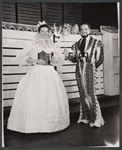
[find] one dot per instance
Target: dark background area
(100, 14)
(73, 13)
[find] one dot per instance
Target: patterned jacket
(94, 52)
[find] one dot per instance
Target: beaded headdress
(41, 23)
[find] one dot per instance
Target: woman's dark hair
(85, 23)
(44, 25)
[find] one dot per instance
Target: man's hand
(54, 60)
(66, 52)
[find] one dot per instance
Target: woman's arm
(35, 61)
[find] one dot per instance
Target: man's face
(84, 30)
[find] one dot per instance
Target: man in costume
(88, 56)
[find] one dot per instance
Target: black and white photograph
(60, 74)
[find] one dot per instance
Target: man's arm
(73, 56)
(99, 54)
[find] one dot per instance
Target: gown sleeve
(25, 53)
(59, 57)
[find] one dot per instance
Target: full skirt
(40, 103)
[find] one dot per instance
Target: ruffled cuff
(24, 62)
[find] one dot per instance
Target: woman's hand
(31, 60)
(41, 62)
(37, 61)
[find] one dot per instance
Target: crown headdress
(41, 23)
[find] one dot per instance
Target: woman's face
(44, 32)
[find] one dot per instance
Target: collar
(88, 38)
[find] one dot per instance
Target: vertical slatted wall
(54, 13)
(8, 12)
(72, 13)
(29, 13)
(13, 42)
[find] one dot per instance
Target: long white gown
(41, 102)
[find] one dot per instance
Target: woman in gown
(40, 103)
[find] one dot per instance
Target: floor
(76, 135)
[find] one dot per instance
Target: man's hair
(85, 23)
